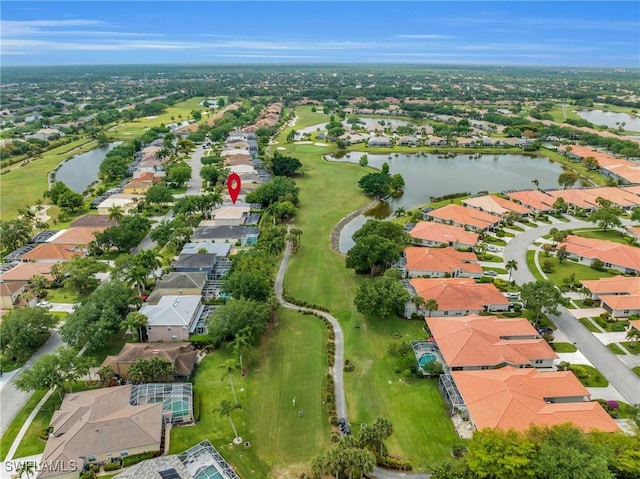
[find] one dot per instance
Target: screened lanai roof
(176, 399)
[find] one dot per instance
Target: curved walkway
(337, 370)
(624, 380)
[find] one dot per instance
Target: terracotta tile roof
(25, 271)
(622, 302)
(617, 196)
(627, 169)
(635, 323)
(446, 260)
(475, 340)
(438, 232)
(121, 426)
(464, 216)
(615, 285)
(77, 236)
(634, 230)
(50, 251)
(455, 294)
(633, 189)
(495, 205)
(534, 199)
(606, 251)
(576, 197)
(510, 398)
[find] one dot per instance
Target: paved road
(624, 380)
(341, 406)
(11, 399)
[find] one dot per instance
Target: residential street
(624, 380)
(11, 399)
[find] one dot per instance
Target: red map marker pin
(233, 185)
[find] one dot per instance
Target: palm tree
(27, 468)
(106, 374)
(241, 342)
(135, 321)
(419, 302)
(512, 265)
(294, 237)
(225, 409)
(230, 366)
(137, 276)
(149, 260)
(159, 369)
(27, 295)
(536, 183)
(430, 305)
(116, 213)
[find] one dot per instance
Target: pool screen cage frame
(170, 394)
(203, 455)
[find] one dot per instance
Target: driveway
(623, 379)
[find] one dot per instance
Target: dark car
(545, 330)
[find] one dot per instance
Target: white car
(44, 304)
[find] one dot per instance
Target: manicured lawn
(636, 370)
(422, 431)
(111, 347)
(495, 241)
(608, 235)
(567, 268)
(591, 377)
(14, 428)
(615, 349)
(491, 258)
(564, 347)
(180, 111)
(587, 323)
(306, 117)
(62, 295)
(497, 270)
(611, 326)
(632, 346)
(22, 186)
(291, 362)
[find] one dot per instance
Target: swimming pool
(426, 359)
(209, 472)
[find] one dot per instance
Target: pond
(364, 121)
(429, 175)
(611, 119)
(81, 170)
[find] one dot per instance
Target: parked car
(493, 249)
(44, 304)
(490, 273)
(545, 330)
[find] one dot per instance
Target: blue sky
(575, 33)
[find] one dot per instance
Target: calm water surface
(609, 118)
(431, 175)
(82, 170)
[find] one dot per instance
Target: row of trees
(543, 452)
(381, 184)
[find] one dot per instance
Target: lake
(429, 175)
(609, 118)
(79, 171)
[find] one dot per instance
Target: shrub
(348, 366)
(588, 302)
(136, 458)
(335, 437)
(196, 406)
(394, 463)
(95, 468)
(87, 475)
(579, 371)
(111, 466)
(597, 265)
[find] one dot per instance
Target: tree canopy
(384, 296)
(239, 314)
(23, 331)
(542, 294)
(284, 165)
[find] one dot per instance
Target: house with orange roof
(430, 233)
(455, 296)
(616, 256)
(462, 217)
(53, 253)
(613, 285)
(440, 263)
(635, 323)
(535, 200)
(510, 398)
(80, 236)
(618, 196)
(634, 232)
(621, 306)
(25, 271)
(495, 205)
(575, 198)
(140, 185)
(632, 189)
(486, 342)
(619, 168)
